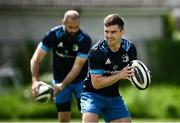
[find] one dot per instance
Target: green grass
(157, 103)
(101, 120)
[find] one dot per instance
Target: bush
(158, 102)
(169, 25)
(164, 60)
(22, 57)
(17, 106)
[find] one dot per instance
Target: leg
(64, 116)
(124, 120)
(89, 117)
(63, 104)
(90, 107)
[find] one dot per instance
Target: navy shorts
(111, 108)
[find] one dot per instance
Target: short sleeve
(96, 64)
(84, 47)
(47, 41)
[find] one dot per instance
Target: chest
(67, 47)
(116, 61)
(71, 46)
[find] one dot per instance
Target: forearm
(71, 75)
(104, 81)
(35, 63)
(75, 71)
(100, 81)
(34, 70)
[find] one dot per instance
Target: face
(113, 34)
(71, 26)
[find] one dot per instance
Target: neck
(115, 48)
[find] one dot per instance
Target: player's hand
(58, 88)
(126, 72)
(34, 87)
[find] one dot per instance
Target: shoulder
(57, 31)
(127, 44)
(101, 46)
(99, 49)
(57, 28)
(83, 36)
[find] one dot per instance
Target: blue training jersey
(65, 49)
(105, 62)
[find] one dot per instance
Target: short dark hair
(114, 19)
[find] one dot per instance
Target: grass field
(100, 121)
(160, 103)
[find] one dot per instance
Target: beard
(72, 34)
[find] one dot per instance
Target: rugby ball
(142, 77)
(44, 92)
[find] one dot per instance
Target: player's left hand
(58, 88)
(126, 72)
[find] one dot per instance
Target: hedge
(157, 102)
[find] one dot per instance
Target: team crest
(125, 58)
(75, 47)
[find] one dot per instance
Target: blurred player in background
(70, 46)
(108, 64)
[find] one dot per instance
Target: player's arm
(34, 65)
(99, 81)
(78, 64)
(96, 62)
(75, 71)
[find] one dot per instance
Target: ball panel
(139, 75)
(42, 89)
(44, 93)
(43, 98)
(141, 78)
(146, 71)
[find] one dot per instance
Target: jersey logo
(115, 67)
(75, 47)
(125, 58)
(60, 44)
(108, 61)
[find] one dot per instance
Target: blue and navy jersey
(104, 62)
(65, 49)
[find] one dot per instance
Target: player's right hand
(34, 87)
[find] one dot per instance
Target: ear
(122, 31)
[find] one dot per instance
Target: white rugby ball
(44, 93)
(142, 77)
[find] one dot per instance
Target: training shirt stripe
(126, 45)
(82, 55)
(96, 71)
(43, 47)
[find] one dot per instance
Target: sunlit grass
(159, 103)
